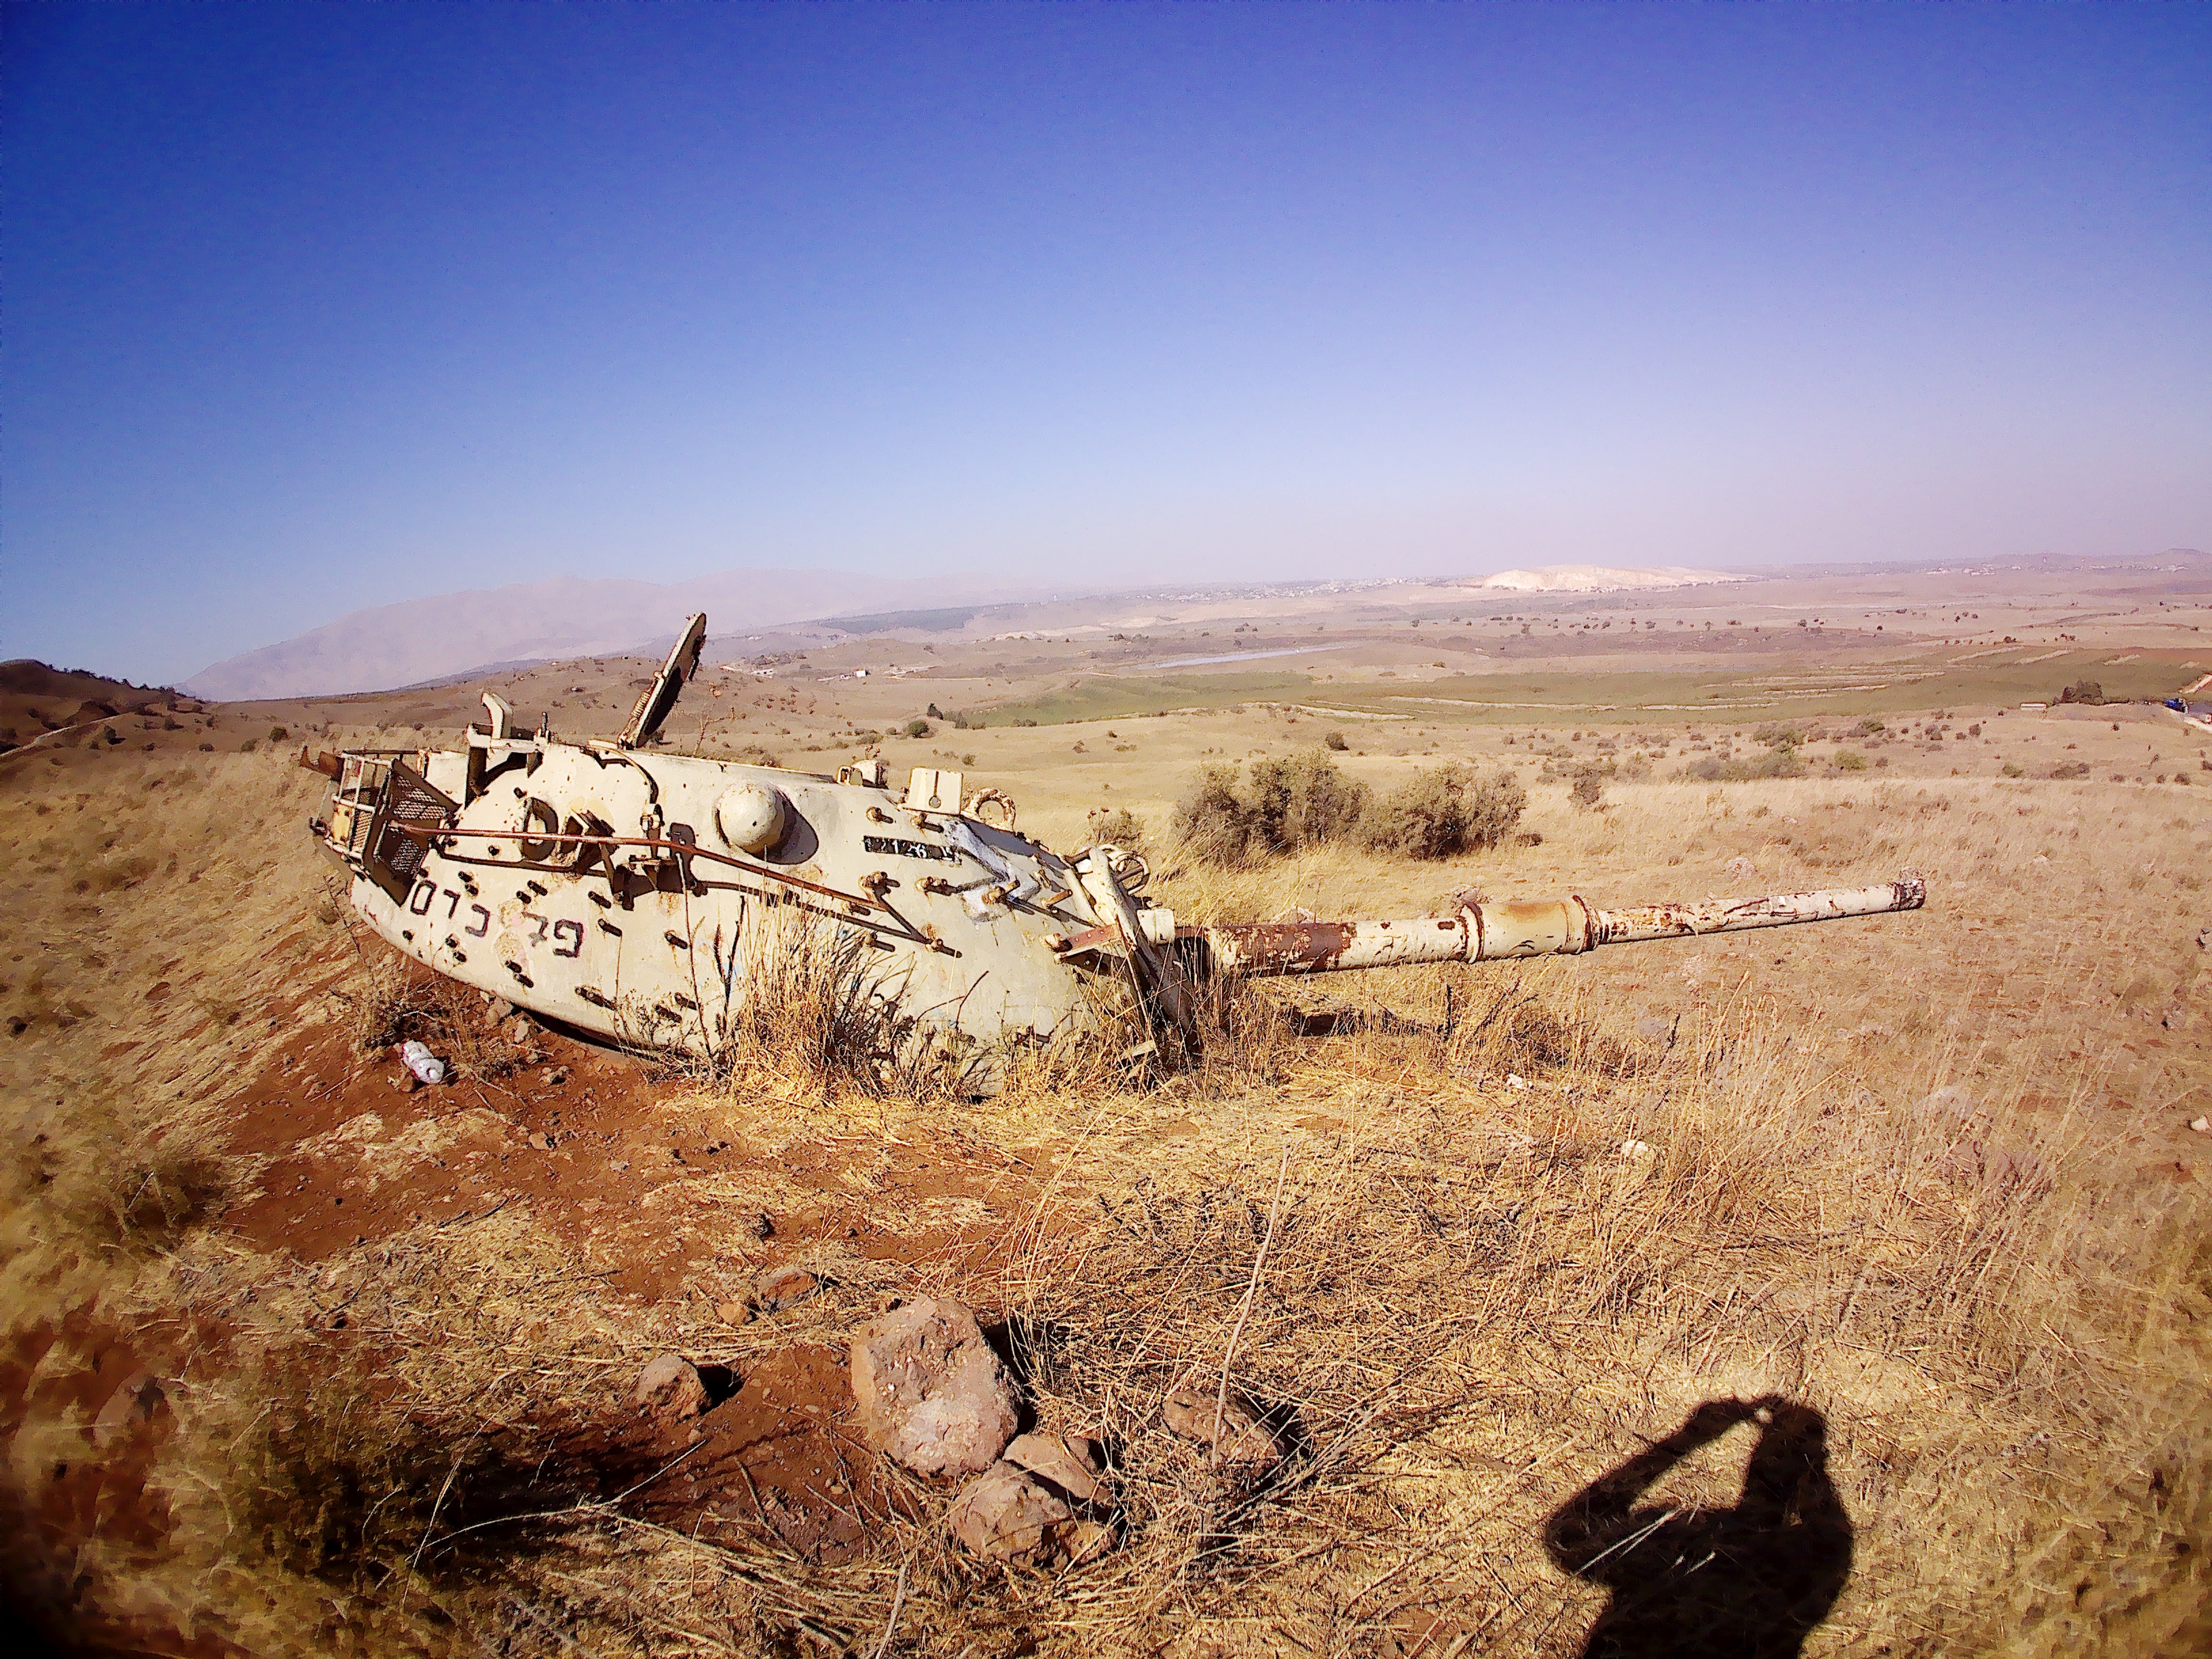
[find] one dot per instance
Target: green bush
(1589, 791)
(1849, 760)
(1335, 740)
(917, 729)
(2087, 691)
(1435, 815)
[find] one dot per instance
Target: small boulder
(502, 1010)
(933, 1395)
(1067, 1461)
(1243, 1443)
(130, 1406)
(670, 1387)
(1004, 1515)
(733, 1313)
(1741, 869)
(784, 1287)
(2202, 1125)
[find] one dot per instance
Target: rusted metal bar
(678, 848)
(1496, 933)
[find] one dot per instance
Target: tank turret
(619, 890)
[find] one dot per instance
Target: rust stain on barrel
(1278, 946)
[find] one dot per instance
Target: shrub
(1437, 814)
(2011, 770)
(917, 729)
(277, 734)
(2089, 691)
(1871, 727)
(1211, 822)
(1304, 800)
(1026, 721)
(1335, 740)
(1849, 760)
(1119, 827)
(1778, 737)
(1774, 763)
(1285, 805)
(1589, 791)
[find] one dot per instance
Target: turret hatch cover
(659, 697)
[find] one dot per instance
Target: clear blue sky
(313, 307)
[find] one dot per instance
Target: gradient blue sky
(312, 307)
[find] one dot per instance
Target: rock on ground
(134, 1403)
(933, 1395)
(784, 1287)
(671, 1386)
(1244, 1444)
(1006, 1516)
(1067, 1461)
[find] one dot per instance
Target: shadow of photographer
(1749, 1582)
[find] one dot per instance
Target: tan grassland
(1930, 1176)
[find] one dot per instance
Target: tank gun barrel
(1495, 933)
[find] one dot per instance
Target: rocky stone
(1004, 1515)
(502, 1010)
(1655, 1028)
(132, 1405)
(931, 1393)
(1244, 1445)
(733, 1313)
(520, 1031)
(1067, 1461)
(670, 1387)
(540, 1140)
(2202, 1125)
(1087, 1541)
(784, 1287)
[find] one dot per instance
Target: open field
(1926, 1184)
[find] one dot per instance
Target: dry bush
(396, 1002)
(813, 1014)
(1286, 806)
(1441, 813)
(1118, 827)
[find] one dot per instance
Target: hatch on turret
(667, 685)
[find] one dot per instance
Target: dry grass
(1882, 1176)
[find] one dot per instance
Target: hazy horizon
(314, 309)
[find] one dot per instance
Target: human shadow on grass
(1750, 1582)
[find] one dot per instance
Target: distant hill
(430, 639)
(1599, 579)
(35, 699)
